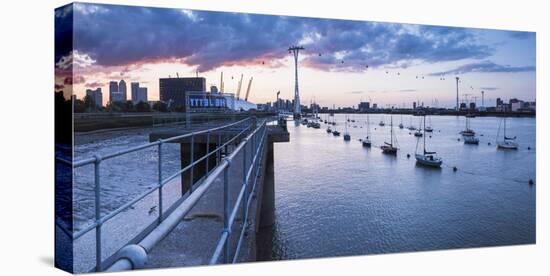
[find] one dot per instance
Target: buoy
(458, 139)
(531, 182)
(454, 169)
(430, 136)
(408, 155)
(489, 143)
(528, 148)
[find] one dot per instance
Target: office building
(173, 90)
(364, 106)
(96, 95)
(139, 94)
(122, 89)
(113, 88)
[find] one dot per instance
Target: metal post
(192, 158)
(226, 213)
(97, 213)
(207, 150)
(218, 149)
(160, 179)
(244, 184)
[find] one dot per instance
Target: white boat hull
(427, 161)
(507, 145)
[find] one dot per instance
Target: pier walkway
(224, 195)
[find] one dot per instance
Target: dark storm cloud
(63, 31)
(121, 35)
(486, 67)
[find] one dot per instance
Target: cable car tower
(297, 108)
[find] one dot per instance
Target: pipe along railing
(135, 255)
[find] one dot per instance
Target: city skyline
(345, 62)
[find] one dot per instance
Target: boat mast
(424, 135)
(368, 125)
(504, 129)
(391, 131)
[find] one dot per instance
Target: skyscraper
(134, 87)
(113, 88)
(122, 89)
(96, 95)
(141, 95)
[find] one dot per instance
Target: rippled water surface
(336, 198)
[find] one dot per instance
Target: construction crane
(248, 89)
(221, 83)
(239, 87)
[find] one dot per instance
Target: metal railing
(132, 256)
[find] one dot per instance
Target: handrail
(91, 160)
(256, 136)
(101, 220)
(170, 222)
(189, 201)
(226, 233)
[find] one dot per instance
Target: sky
(344, 62)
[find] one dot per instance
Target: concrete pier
(194, 239)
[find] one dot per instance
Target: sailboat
(418, 132)
(335, 131)
(401, 123)
(382, 122)
(427, 158)
(411, 127)
(429, 127)
(366, 141)
(506, 142)
(347, 137)
(389, 148)
(468, 131)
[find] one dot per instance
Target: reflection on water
(336, 198)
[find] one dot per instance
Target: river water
(336, 198)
